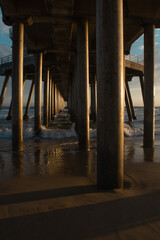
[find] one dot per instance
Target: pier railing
(8, 59)
(134, 58)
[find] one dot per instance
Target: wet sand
(49, 192)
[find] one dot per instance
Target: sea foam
(130, 129)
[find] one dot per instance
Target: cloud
(157, 59)
(3, 28)
(157, 35)
(157, 44)
(157, 67)
(141, 47)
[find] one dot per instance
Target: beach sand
(49, 192)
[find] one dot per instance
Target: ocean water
(135, 128)
(28, 127)
(132, 129)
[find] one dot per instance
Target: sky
(5, 50)
(137, 49)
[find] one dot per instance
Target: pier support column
(142, 86)
(74, 97)
(50, 100)
(83, 84)
(55, 99)
(46, 98)
(38, 87)
(128, 106)
(58, 100)
(110, 83)
(29, 100)
(4, 90)
(93, 100)
(63, 106)
(17, 88)
(72, 100)
(149, 86)
(52, 109)
(69, 102)
(130, 101)
(9, 117)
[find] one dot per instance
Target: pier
(80, 51)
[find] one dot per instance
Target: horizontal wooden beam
(58, 19)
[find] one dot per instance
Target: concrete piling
(9, 116)
(52, 99)
(93, 99)
(142, 86)
(57, 96)
(38, 87)
(110, 84)
(149, 86)
(83, 84)
(130, 101)
(76, 98)
(128, 106)
(4, 90)
(55, 99)
(17, 87)
(74, 95)
(46, 98)
(69, 102)
(29, 101)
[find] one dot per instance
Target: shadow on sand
(90, 221)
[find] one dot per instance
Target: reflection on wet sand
(60, 157)
(136, 153)
(38, 162)
(18, 163)
(47, 158)
(2, 164)
(149, 155)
